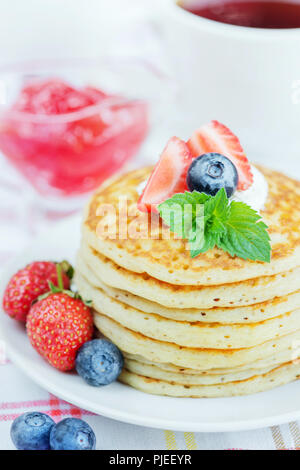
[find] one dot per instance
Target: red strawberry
(57, 326)
(215, 137)
(27, 285)
(168, 176)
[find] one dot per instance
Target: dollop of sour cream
(255, 196)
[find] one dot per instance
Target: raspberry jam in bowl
(67, 126)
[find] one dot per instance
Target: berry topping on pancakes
(168, 176)
(170, 173)
(215, 137)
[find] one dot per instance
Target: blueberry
(31, 431)
(72, 434)
(99, 362)
(210, 172)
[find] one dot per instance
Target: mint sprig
(209, 221)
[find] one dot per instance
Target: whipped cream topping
(140, 188)
(255, 196)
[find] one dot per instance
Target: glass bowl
(65, 156)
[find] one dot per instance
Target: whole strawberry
(58, 325)
(28, 284)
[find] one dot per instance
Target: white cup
(247, 78)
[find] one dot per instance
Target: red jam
(66, 141)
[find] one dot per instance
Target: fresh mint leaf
(216, 212)
(246, 236)
(182, 211)
(209, 243)
(209, 221)
(187, 197)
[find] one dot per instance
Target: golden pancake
(258, 383)
(243, 315)
(195, 358)
(241, 293)
(193, 335)
(155, 372)
(209, 326)
(269, 362)
(247, 314)
(169, 260)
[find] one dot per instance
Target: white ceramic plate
(121, 402)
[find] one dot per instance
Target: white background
(69, 28)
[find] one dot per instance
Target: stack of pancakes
(211, 326)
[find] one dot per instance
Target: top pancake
(169, 259)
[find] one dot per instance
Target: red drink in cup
(278, 14)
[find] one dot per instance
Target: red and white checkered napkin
(18, 394)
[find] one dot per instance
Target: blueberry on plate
(99, 362)
(210, 172)
(72, 434)
(31, 431)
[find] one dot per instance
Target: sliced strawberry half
(215, 137)
(168, 176)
